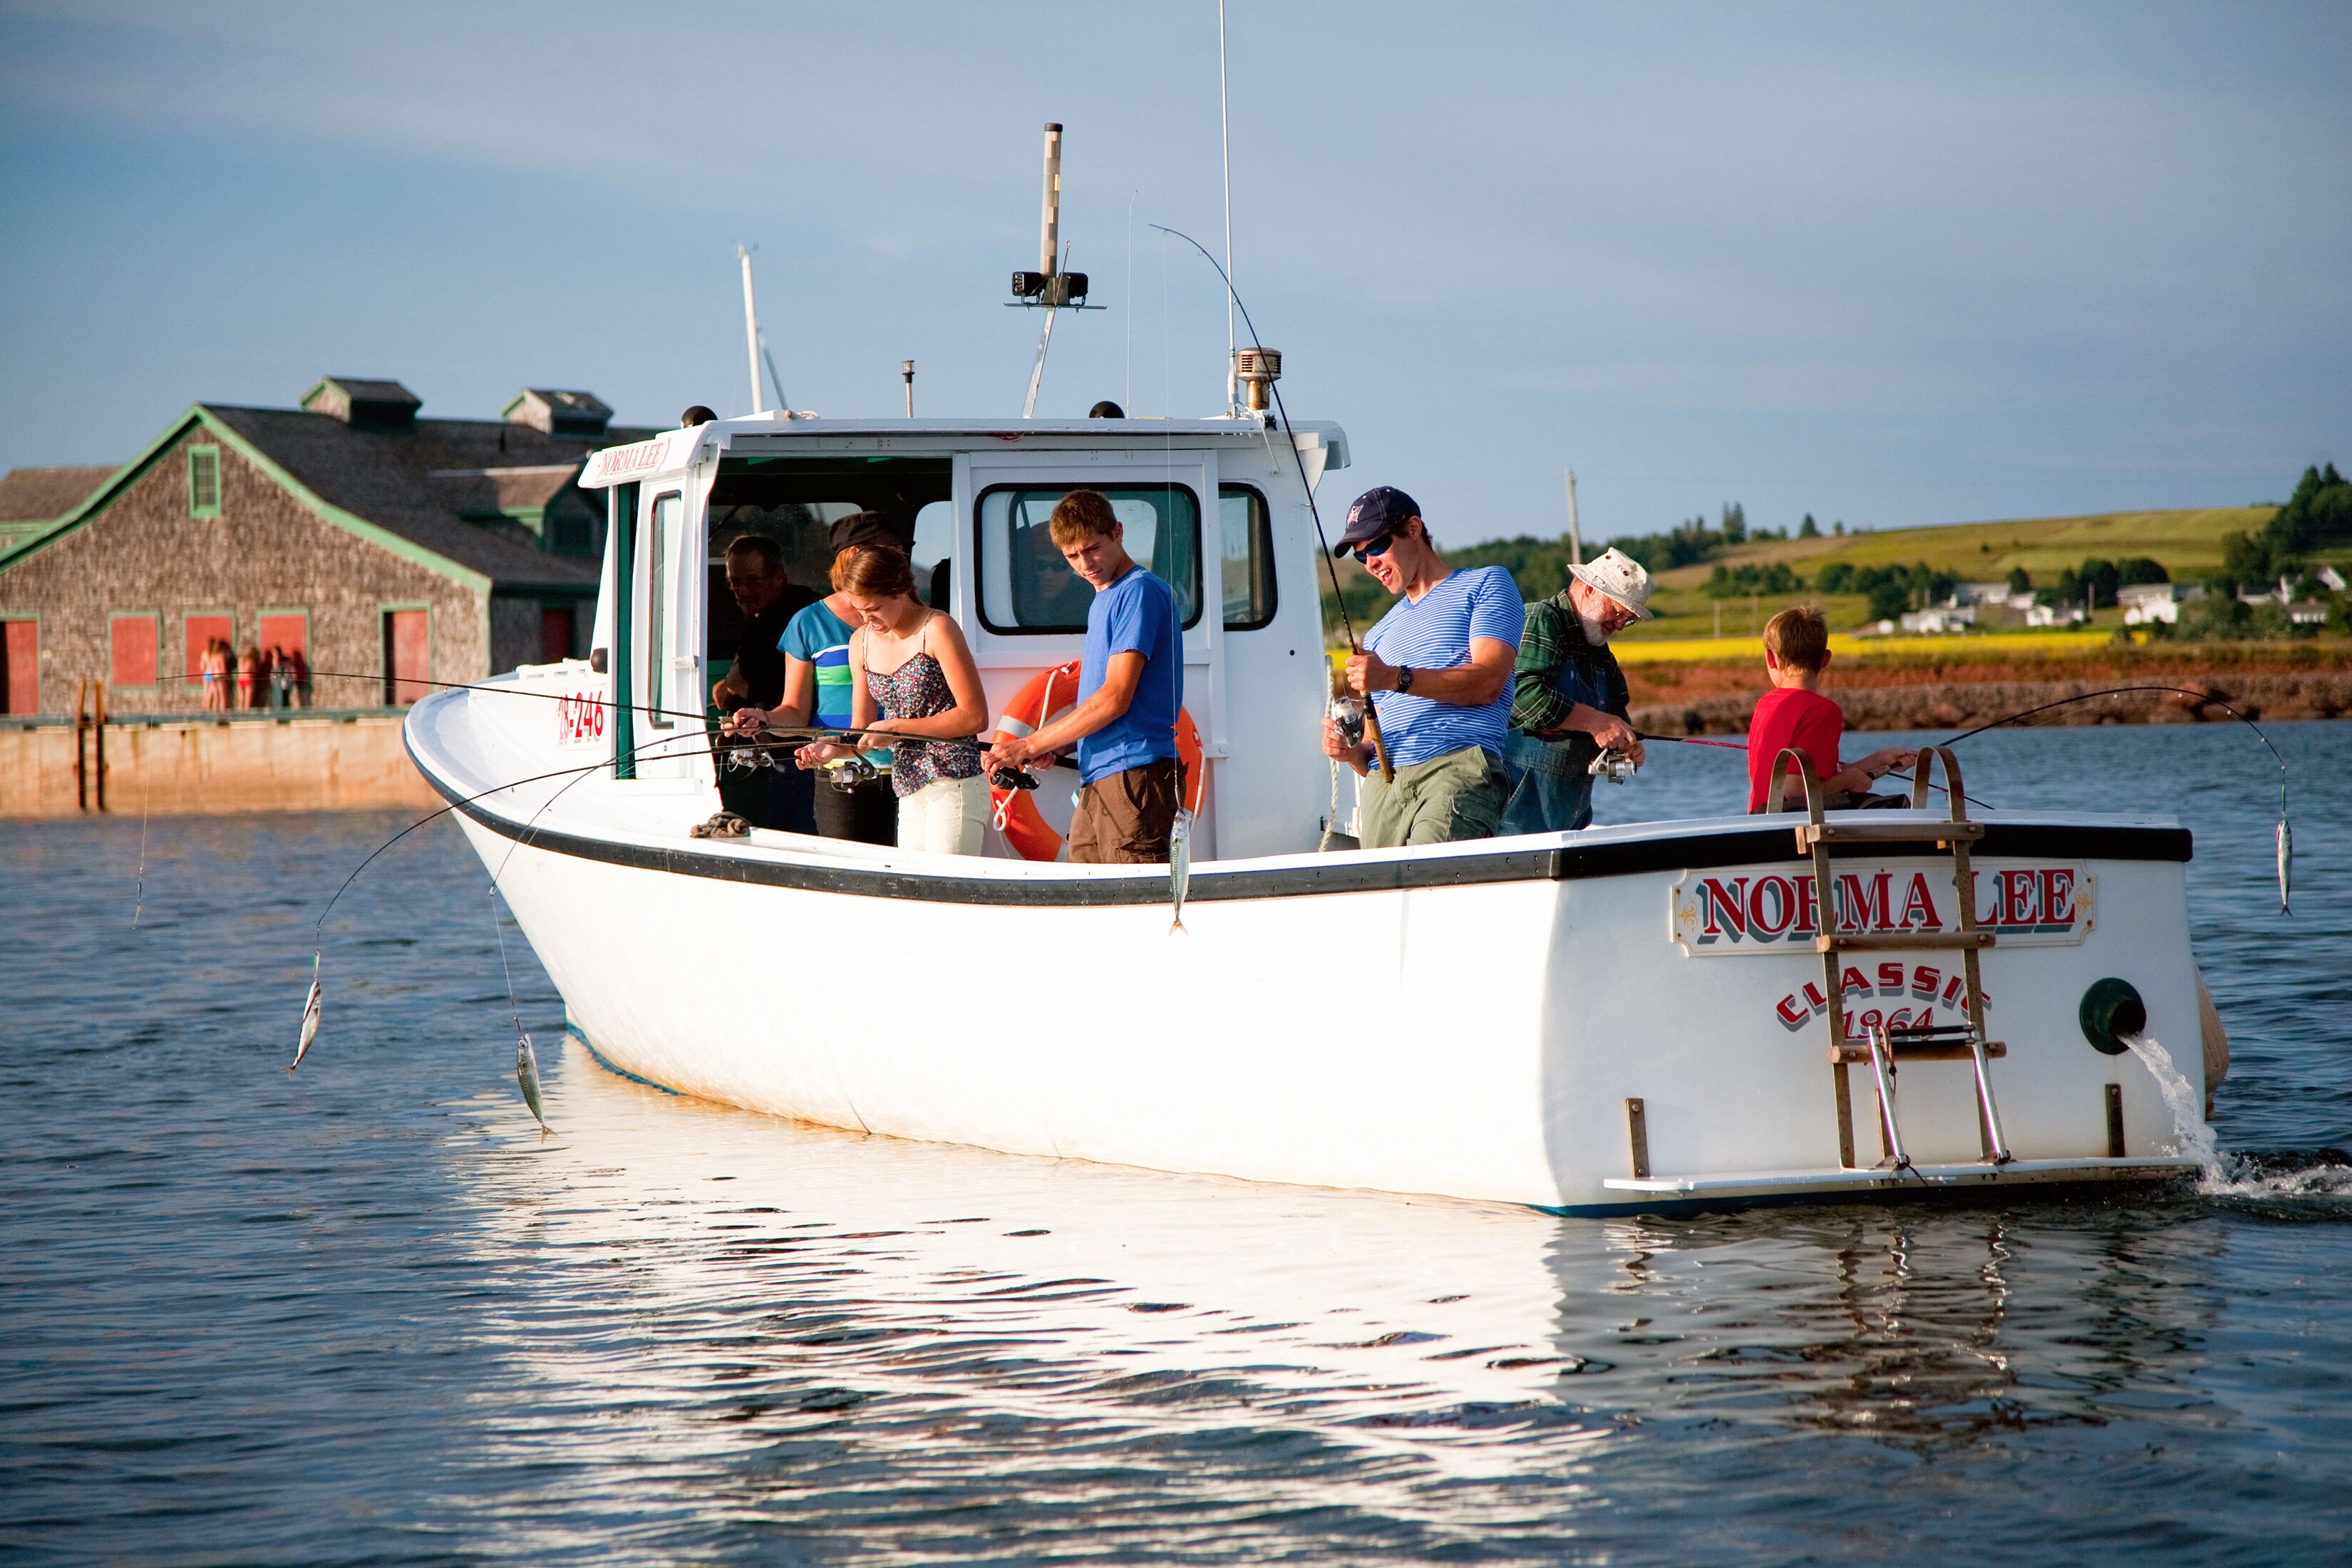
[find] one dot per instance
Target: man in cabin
(769, 599)
(1437, 671)
(1569, 699)
(1131, 689)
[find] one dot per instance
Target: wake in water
(2220, 1174)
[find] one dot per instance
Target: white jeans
(946, 817)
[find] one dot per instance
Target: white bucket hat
(1619, 575)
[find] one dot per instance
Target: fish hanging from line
(2285, 863)
(527, 1075)
(1180, 865)
(310, 1006)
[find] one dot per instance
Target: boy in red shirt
(1794, 714)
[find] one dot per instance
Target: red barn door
(20, 666)
(405, 661)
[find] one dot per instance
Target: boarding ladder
(1883, 1048)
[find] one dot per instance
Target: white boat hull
(1468, 1021)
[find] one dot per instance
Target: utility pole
(907, 369)
(1576, 537)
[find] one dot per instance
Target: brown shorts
(1123, 819)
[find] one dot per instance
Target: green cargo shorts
(1459, 794)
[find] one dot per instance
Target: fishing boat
(1808, 1005)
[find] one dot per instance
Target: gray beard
(1595, 632)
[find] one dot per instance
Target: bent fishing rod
(1330, 566)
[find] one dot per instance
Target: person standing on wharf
(1438, 670)
(1130, 688)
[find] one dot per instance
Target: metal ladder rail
(1963, 886)
(1814, 835)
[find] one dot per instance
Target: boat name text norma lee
(1763, 910)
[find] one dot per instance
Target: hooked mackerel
(310, 1006)
(1180, 864)
(2285, 863)
(527, 1075)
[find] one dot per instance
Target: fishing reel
(1347, 715)
(1614, 766)
(749, 759)
(1012, 778)
(846, 773)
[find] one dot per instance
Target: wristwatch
(1405, 678)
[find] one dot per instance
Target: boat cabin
(1215, 507)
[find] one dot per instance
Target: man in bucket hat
(1568, 698)
(1437, 667)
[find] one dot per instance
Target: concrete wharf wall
(177, 766)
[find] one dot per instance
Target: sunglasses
(1371, 547)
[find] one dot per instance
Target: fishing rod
(2285, 835)
(1330, 566)
(313, 1004)
(581, 697)
(1742, 746)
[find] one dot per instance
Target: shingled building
(384, 547)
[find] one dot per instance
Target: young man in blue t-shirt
(1437, 668)
(1130, 686)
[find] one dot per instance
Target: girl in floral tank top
(914, 680)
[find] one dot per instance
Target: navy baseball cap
(871, 528)
(1381, 509)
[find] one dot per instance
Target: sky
(1888, 264)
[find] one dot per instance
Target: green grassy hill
(2186, 543)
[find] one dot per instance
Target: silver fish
(310, 1020)
(527, 1075)
(2285, 863)
(1180, 865)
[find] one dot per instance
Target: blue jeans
(1549, 793)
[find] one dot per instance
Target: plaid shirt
(1557, 667)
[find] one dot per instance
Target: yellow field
(1652, 650)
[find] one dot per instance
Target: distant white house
(2055, 615)
(2145, 602)
(1939, 619)
(2331, 579)
(2308, 613)
(1979, 594)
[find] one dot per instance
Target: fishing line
(493, 690)
(1742, 746)
(1290, 435)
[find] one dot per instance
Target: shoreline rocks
(1960, 705)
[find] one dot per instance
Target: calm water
(367, 1314)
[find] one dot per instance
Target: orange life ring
(1046, 696)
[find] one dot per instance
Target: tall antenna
(1052, 285)
(751, 330)
(1226, 141)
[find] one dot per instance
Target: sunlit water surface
(366, 1313)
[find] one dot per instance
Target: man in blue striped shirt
(1437, 668)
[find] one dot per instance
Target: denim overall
(1552, 782)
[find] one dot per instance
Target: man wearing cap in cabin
(1568, 698)
(1437, 671)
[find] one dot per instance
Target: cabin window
(934, 549)
(136, 639)
(660, 536)
(1246, 539)
(1028, 587)
(204, 482)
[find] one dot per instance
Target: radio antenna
(1225, 144)
(1052, 285)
